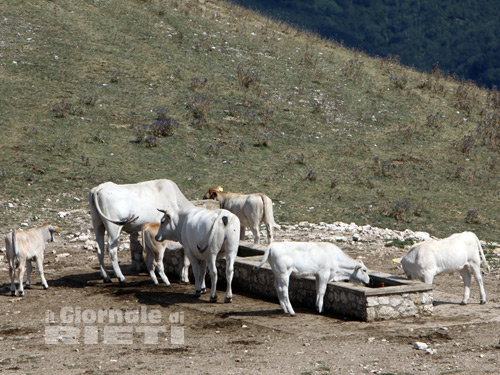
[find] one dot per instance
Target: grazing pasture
(205, 93)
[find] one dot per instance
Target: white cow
(115, 207)
(251, 209)
(323, 260)
(22, 247)
(460, 252)
(155, 250)
(206, 235)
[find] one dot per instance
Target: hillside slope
(206, 93)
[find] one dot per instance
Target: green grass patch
(211, 94)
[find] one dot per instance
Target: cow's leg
(12, 274)
(150, 265)
(321, 283)
(256, 233)
(232, 251)
(29, 268)
(39, 265)
(203, 270)
(476, 269)
(199, 272)
(212, 268)
(20, 270)
(428, 278)
(161, 268)
(113, 239)
(99, 231)
(282, 289)
(242, 233)
(184, 265)
(466, 277)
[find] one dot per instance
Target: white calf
(460, 252)
(323, 260)
(155, 250)
(22, 247)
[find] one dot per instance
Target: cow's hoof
(45, 287)
(122, 281)
(213, 299)
(204, 291)
(197, 294)
(293, 314)
(107, 281)
(27, 286)
(12, 292)
(482, 302)
(463, 303)
(21, 294)
(228, 300)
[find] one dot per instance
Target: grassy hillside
(87, 88)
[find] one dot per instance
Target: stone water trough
(387, 297)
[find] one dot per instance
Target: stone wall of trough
(341, 298)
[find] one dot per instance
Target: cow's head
(213, 193)
(51, 230)
(360, 274)
(168, 226)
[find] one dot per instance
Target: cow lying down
(323, 260)
(460, 252)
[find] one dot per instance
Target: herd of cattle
(166, 219)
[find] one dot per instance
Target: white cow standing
(128, 207)
(251, 209)
(460, 252)
(323, 260)
(206, 236)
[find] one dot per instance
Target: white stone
(420, 345)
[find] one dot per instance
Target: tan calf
(155, 250)
(22, 247)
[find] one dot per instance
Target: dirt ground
(166, 330)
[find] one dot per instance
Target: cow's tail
(264, 259)
(268, 213)
(483, 258)
(221, 218)
(14, 261)
(95, 203)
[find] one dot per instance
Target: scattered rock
(420, 345)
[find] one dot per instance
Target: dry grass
(327, 132)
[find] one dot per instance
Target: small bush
(164, 127)
(262, 140)
(199, 109)
(247, 77)
(472, 217)
(60, 110)
(197, 84)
